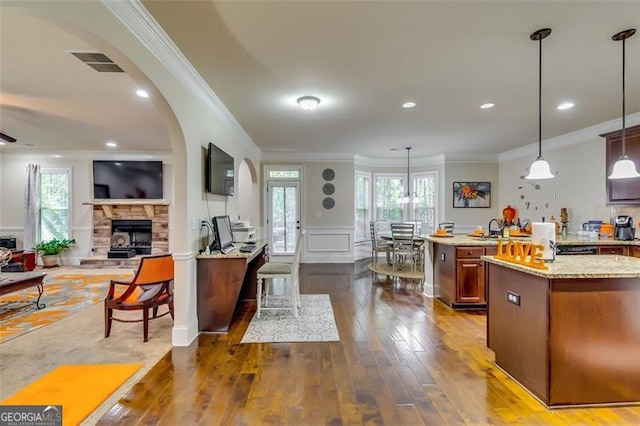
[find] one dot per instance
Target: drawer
(619, 250)
(636, 252)
(462, 252)
(491, 250)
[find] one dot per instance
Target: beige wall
(343, 212)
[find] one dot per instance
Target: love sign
(525, 254)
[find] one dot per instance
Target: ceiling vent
(6, 137)
(98, 61)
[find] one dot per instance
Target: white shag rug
(315, 322)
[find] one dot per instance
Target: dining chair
(403, 245)
(150, 288)
(289, 271)
(448, 226)
(378, 245)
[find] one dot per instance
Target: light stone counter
(570, 240)
(585, 266)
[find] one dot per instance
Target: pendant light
(408, 197)
(624, 168)
(540, 168)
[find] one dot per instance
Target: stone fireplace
(146, 224)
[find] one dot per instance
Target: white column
(185, 323)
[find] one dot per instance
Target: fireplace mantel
(107, 205)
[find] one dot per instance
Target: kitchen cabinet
(619, 250)
(635, 252)
(622, 191)
(459, 275)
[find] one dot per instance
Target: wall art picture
(471, 194)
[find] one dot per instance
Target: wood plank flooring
(402, 359)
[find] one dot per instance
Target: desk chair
(154, 277)
(271, 270)
(403, 245)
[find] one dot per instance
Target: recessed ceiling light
(487, 105)
(308, 103)
(408, 105)
(2, 143)
(142, 93)
(565, 105)
(57, 156)
(112, 144)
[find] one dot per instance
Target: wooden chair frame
(127, 302)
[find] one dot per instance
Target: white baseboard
(183, 336)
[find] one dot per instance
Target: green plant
(53, 246)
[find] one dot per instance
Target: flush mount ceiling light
(565, 105)
(487, 105)
(111, 144)
(308, 103)
(540, 168)
(624, 168)
(408, 105)
(142, 93)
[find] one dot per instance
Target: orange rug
(80, 389)
(64, 295)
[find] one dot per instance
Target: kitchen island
(455, 272)
(569, 334)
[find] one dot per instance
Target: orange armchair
(154, 277)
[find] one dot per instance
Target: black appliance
(624, 229)
(8, 242)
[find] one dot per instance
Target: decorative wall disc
(328, 189)
(328, 174)
(328, 203)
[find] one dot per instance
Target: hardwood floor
(402, 359)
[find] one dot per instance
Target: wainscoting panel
(329, 245)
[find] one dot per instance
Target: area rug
(315, 322)
(80, 389)
(64, 294)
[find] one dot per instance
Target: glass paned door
(284, 217)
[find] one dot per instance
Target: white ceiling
(363, 59)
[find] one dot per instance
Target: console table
(223, 280)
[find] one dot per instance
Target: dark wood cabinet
(636, 252)
(623, 191)
(459, 275)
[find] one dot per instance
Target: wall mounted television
(119, 179)
(219, 172)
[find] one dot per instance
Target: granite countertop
(571, 239)
(585, 266)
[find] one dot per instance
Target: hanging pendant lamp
(624, 168)
(540, 168)
(408, 197)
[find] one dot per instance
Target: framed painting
(472, 194)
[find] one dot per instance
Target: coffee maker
(624, 230)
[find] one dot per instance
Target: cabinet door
(619, 250)
(636, 251)
(470, 281)
(622, 191)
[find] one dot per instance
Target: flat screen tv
(219, 171)
(223, 235)
(127, 179)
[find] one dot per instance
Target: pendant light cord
(540, 102)
(624, 128)
(408, 182)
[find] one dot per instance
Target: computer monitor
(223, 235)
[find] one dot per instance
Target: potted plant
(51, 249)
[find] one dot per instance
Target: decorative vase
(509, 214)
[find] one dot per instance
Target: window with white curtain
(54, 204)
(362, 205)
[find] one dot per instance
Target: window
(362, 205)
(388, 189)
(424, 210)
(284, 174)
(54, 204)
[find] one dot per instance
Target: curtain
(31, 206)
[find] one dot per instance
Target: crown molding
(141, 24)
(398, 162)
(165, 156)
(307, 157)
(573, 138)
